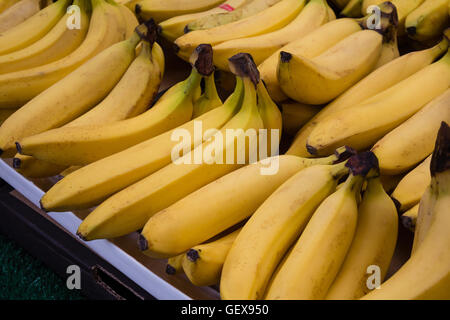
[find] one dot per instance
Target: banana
(352, 9)
(373, 245)
(175, 27)
(295, 115)
(318, 41)
(413, 185)
(376, 82)
(5, 4)
(33, 28)
(130, 97)
(81, 145)
(70, 97)
(209, 100)
(203, 263)
(118, 215)
(56, 44)
(18, 13)
(175, 264)
(273, 228)
(404, 8)
(362, 125)
(426, 274)
(340, 4)
(314, 14)
(130, 19)
(268, 20)
(69, 170)
(17, 88)
(390, 182)
(405, 146)
(5, 113)
(389, 50)
(97, 181)
(207, 219)
(318, 254)
(428, 20)
(409, 218)
(161, 10)
(249, 8)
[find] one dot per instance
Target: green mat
(22, 277)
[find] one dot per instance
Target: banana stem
(202, 59)
(388, 20)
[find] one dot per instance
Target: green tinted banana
(405, 146)
(203, 263)
(18, 13)
(428, 20)
(362, 125)
(273, 228)
(373, 245)
(17, 88)
(376, 82)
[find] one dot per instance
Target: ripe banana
(325, 36)
(362, 125)
(295, 115)
(81, 145)
(161, 10)
(18, 13)
(119, 215)
(97, 181)
(428, 20)
(249, 8)
(409, 218)
(208, 100)
(314, 14)
(175, 27)
(373, 245)
(376, 82)
(56, 44)
(175, 264)
(203, 263)
(426, 275)
(130, 97)
(268, 20)
(5, 4)
(405, 146)
(70, 97)
(413, 185)
(352, 9)
(321, 79)
(17, 88)
(317, 256)
(389, 50)
(273, 228)
(130, 19)
(33, 28)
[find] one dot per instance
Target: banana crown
(147, 31)
(242, 65)
(202, 59)
(388, 23)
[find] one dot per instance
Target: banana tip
(407, 222)
(311, 149)
(170, 270)
(19, 147)
(192, 255)
(81, 236)
(16, 163)
(440, 160)
(142, 243)
(285, 56)
(41, 205)
(411, 30)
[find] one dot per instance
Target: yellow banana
(5, 113)
(33, 28)
(161, 10)
(175, 264)
(56, 44)
(426, 275)
(376, 82)
(175, 27)
(318, 41)
(70, 97)
(203, 263)
(413, 185)
(362, 125)
(424, 216)
(81, 145)
(130, 19)
(318, 254)
(389, 50)
(295, 115)
(130, 97)
(69, 170)
(409, 218)
(18, 13)
(118, 215)
(268, 20)
(352, 9)
(373, 245)
(314, 14)
(5, 4)
(97, 181)
(16, 88)
(249, 8)
(405, 146)
(209, 99)
(273, 228)
(428, 20)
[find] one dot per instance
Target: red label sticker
(226, 7)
